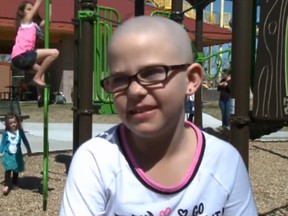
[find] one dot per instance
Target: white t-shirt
(104, 179)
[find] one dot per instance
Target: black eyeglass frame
(167, 68)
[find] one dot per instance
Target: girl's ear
(194, 76)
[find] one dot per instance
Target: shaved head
(147, 48)
(156, 29)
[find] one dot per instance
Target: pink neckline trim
(154, 184)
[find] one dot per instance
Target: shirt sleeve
(25, 140)
(84, 192)
(3, 142)
(241, 200)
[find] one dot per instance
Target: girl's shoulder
(4, 134)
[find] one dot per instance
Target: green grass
(62, 113)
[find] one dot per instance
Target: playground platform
(61, 134)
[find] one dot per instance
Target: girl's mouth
(141, 110)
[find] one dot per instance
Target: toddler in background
(10, 150)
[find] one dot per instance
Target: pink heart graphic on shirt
(165, 212)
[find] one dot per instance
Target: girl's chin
(146, 129)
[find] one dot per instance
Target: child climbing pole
(24, 54)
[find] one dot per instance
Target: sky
(227, 7)
(217, 5)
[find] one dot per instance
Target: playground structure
(167, 6)
(211, 18)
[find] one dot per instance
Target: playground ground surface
(267, 168)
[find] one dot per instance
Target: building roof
(63, 13)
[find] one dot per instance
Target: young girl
(24, 55)
(154, 162)
(10, 149)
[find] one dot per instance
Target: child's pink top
(25, 39)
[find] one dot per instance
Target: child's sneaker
(5, 190)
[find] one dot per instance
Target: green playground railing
(216, 59)
(161, 13)
(105, 20)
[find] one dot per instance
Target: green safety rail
(105, 20)
(104, 23)
(161, 13)
(216, 60)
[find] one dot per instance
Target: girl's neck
(13, 131)
(149, 151)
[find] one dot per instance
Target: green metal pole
(46, 98)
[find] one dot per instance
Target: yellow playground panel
(167, 5)
(209, 17)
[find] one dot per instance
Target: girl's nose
(136, 88)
